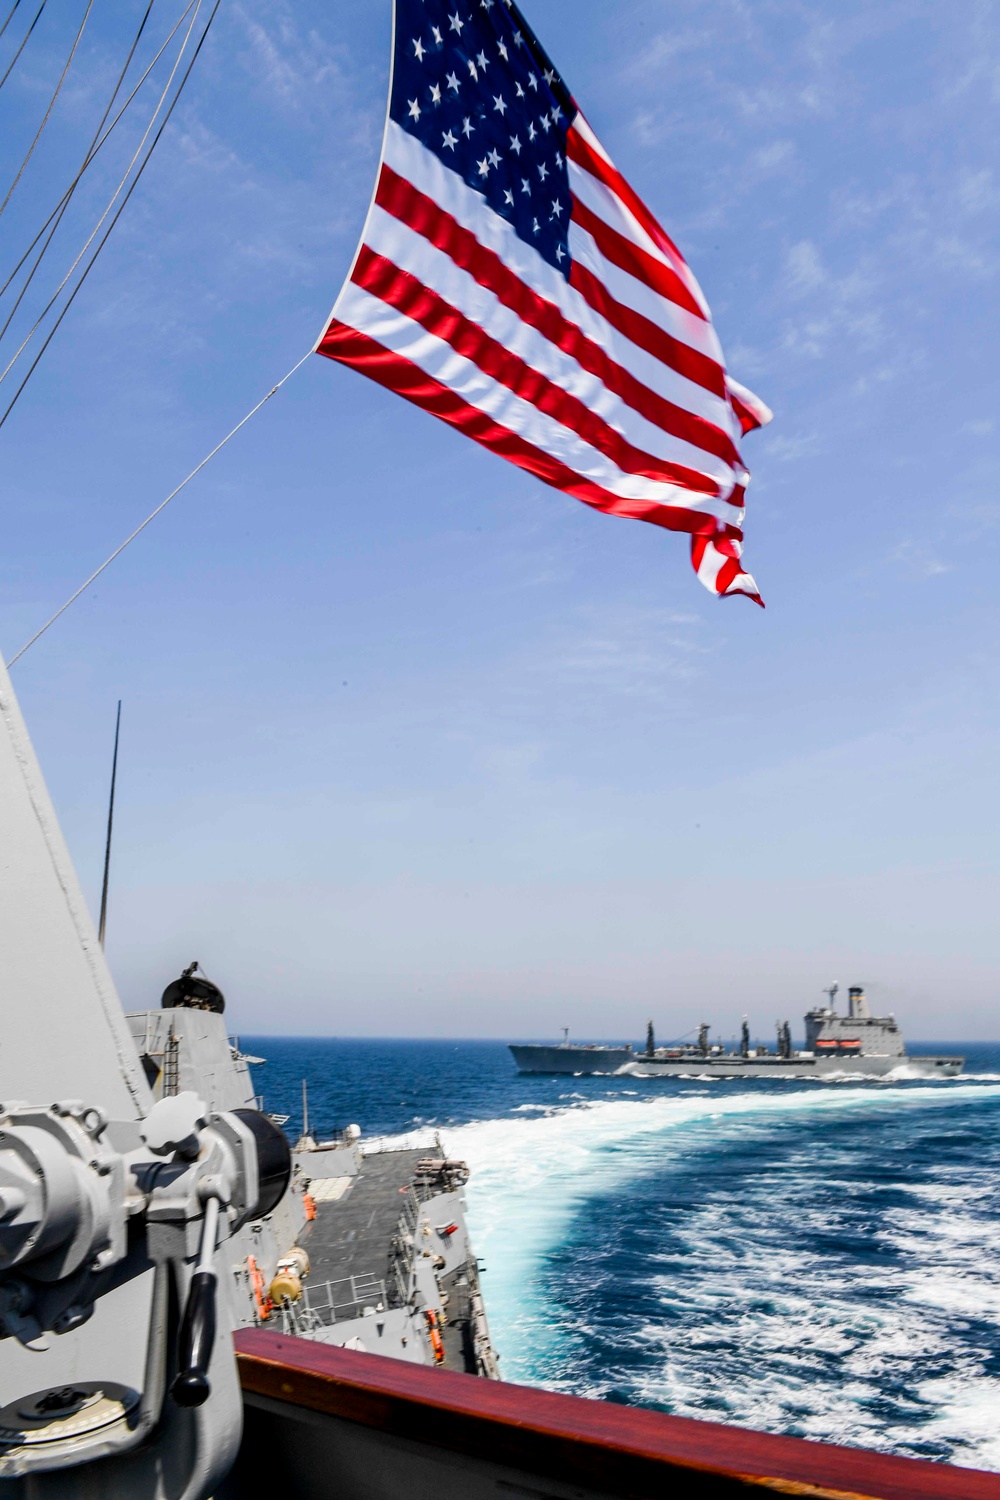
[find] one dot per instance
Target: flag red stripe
(578, 149)
(748, 419)
(413, 208)
(729, 570)
(637, 262)
(410, 296)
(640, 330)
(349, 347)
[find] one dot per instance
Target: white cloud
(919, 561)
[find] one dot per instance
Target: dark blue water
(819, 1259)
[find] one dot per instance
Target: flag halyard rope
(154, 513)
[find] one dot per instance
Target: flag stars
(523, 181)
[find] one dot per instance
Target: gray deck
(352, 1236)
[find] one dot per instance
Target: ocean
(821, 1259)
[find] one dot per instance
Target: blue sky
(412, 744)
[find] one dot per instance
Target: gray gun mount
(79, 1221)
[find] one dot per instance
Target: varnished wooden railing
(594, 1445)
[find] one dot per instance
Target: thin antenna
(305, 1108)
(111, 819)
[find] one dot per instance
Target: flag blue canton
(472, 84)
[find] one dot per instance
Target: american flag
(511, 282)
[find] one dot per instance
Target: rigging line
(10, 17)
(162, 506)
(58, 215)
(52, 105)
(24, 43)
(90, 158)
(90, 240)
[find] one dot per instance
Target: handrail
(596, 1445)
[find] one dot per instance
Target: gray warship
(855, 1045)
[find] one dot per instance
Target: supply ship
(855, 1045)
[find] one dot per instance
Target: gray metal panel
(64, 1034)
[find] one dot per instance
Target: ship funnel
(857, 1005)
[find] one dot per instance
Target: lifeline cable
(10, 16)
(67, 196)
(90, 264)
(93, 233)
(20, 49)
(64, 200)
(153, 514)
(52, 105)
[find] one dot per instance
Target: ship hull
(796, 1067)
(575, 1060)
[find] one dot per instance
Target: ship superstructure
(369, 1249)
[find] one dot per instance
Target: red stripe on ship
(628, 256)
(409, 296)
(349, 347)
(421, 214)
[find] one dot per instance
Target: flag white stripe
(609, 208)
(651, 372)
(633, 293)
(673, 258)
(435, 269)
(406, 156)
(394, 331)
